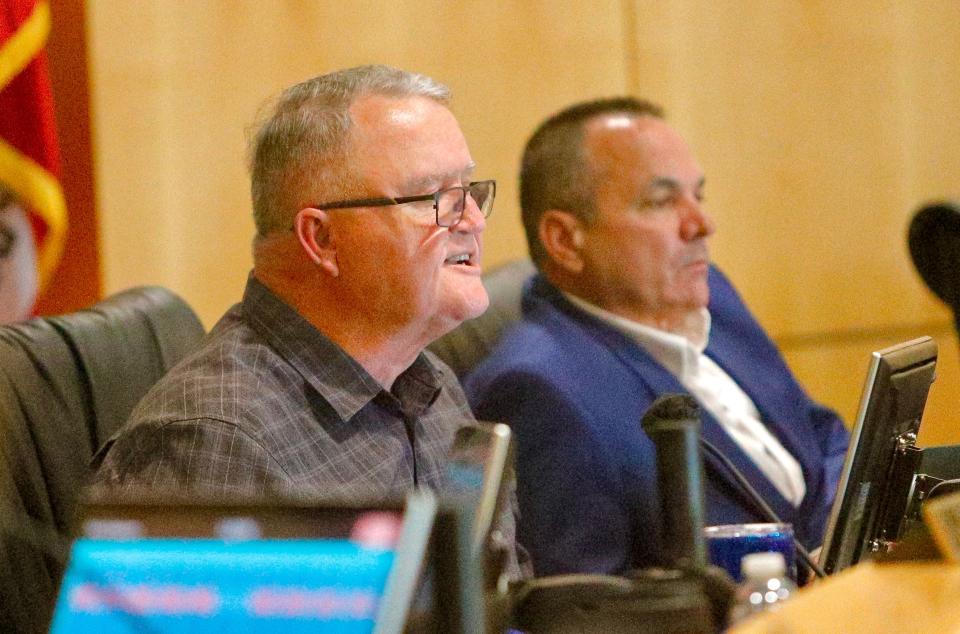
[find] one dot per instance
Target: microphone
(934, 241)
(673, 423)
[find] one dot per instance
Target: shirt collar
(678, 352)
(333, 373)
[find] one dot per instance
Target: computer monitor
(480, 470)
(878, 472)
(215, 566)
(480, 481)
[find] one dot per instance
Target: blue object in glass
(727, 544)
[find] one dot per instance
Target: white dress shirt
(715, 390)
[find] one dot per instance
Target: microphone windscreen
(673, 424)
(934, 242)
(665, 412)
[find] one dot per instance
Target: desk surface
(898, 598)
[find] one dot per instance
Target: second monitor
(878, 472)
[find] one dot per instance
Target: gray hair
(299, 149)
(554, 173)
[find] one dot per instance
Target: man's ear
(561, 234)
(312, 227)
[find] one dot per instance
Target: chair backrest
(66, 383)
(124, 344)
(466, 345)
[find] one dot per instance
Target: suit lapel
(766, 389)
(658, 380)
(754, 378)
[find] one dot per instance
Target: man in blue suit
(626, 307)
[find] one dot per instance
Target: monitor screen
(163, 567)
(882, 458)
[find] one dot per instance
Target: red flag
(29, 156)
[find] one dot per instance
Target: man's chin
(465, 309)
(473, 307)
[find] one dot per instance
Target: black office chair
(66, 383)
(466, 345)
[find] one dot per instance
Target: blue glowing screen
(193, 585)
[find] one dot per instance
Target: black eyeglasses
(449, 204)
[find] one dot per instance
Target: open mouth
(461, 258)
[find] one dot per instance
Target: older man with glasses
(317, 382)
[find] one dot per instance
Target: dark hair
(553, 172)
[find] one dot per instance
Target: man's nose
(696, 222)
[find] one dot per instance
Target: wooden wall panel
(836, 373)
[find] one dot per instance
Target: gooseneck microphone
(673, 423)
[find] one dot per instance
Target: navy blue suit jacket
(574, 390)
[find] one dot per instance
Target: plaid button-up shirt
(270, 405)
